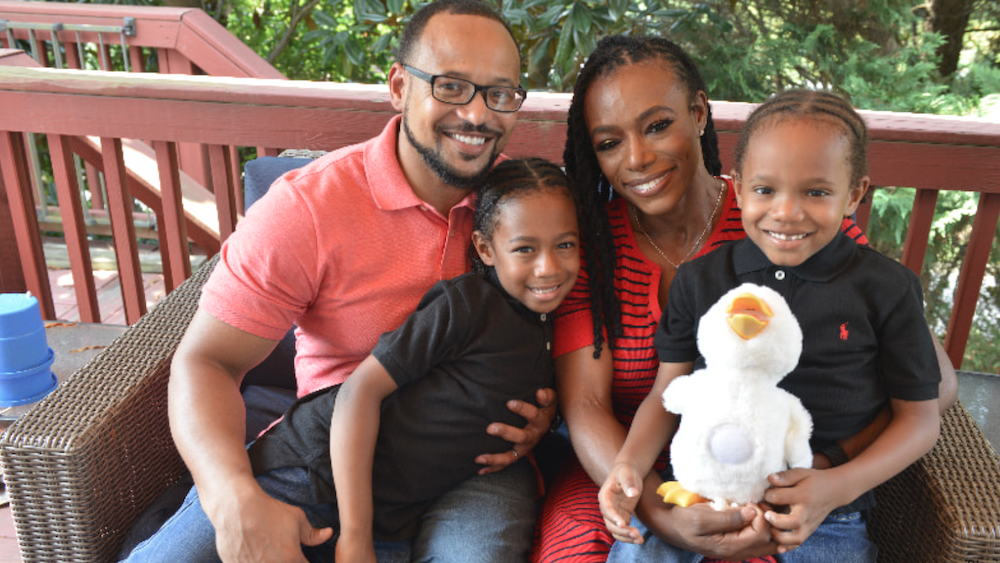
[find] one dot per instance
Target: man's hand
(523, 439)
(265, 529)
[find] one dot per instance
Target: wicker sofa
(93, 454)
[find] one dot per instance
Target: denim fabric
(189, 536)
(487, 519)
(841, 537)
(653, 550)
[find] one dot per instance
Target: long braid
(593, 190)
(812, 104)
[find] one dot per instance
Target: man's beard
(444, 172)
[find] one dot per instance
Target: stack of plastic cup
(25, 356)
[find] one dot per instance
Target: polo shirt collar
(523, 310)
(389, 187)
(820, 267)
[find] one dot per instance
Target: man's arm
(207, 421)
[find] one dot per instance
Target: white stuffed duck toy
(737, 427)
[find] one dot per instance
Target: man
(344, 248)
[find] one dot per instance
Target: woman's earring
(701, 133)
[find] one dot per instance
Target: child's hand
(618, 497)
(809, 494)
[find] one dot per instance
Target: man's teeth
(783, 236)
(475, 141)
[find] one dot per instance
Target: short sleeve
(574, 320)
(906, 358)
(436, 331)
(276, 236)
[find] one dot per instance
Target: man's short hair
(415, 28)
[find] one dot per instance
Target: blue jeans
(841, 537)
(488, 518)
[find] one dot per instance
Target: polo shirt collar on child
(521, 308)
(820, 267)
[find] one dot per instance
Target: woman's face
(644, 126)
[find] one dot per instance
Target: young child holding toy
(800, 169)
(408, 424)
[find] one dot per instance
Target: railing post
(14, 168)
(970, 279)
(123, 229)
(74, 228)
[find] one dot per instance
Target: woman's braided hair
(812, 104)
(592, 190)
(507, 180)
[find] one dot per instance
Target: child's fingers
(786, 530)
(626, 534)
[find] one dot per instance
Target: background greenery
(941, 56)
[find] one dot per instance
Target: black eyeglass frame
(476, 88)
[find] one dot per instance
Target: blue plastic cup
(25, 356)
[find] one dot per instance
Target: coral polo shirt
(343, 249)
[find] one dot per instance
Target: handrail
(930, 153)
(187, 36)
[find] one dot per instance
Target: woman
(640, 128)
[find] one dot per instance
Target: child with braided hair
(408, 424)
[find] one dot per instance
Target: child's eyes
(763, 190)
(817, 193)
(567, 245)
(523, 250)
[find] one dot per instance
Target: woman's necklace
(708, 225)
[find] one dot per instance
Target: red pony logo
(843, 331)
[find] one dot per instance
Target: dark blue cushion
(260, 173)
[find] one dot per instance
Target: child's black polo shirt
(865, 339)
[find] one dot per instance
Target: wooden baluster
(970, 279)
(919, 231)
(123, 229)
(74, 228)
(173, 228)
(222, 185)
(14, 167)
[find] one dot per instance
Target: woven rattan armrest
(945, 507)
(84, 462)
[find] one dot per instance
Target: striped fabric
(570, 528)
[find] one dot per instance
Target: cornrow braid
(508, 180)
(592, 190)
(810, 104)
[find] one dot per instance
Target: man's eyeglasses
(459, 92)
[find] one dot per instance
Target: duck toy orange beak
(748, 315)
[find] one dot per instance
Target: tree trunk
(949, 18)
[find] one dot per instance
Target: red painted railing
(930, 153)
(97, 115)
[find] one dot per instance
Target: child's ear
(737, 187)
(856, 194)
(483, 247)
